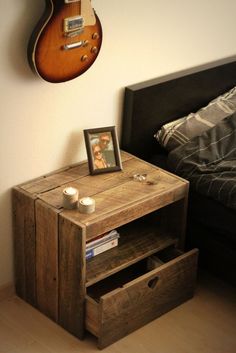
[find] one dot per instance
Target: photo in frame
(102, 150)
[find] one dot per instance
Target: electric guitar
(66, 41)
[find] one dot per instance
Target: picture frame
(102, 150)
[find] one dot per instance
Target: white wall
(42, 123)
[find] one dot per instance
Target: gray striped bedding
(209, 162)
(180, 131)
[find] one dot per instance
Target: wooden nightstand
(115, 292)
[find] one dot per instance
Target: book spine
(102, 248)
(102, 240)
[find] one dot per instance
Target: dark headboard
(149, 104)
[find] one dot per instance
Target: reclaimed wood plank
(71, 277)
(61, 176)
(128, 201)
(177, 213)
(92, 316)
(47, 259)
(24, 245)
(175, 282)
(90, 185)
(48, 183)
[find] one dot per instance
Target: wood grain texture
(49, 186)
(53, 180)
(71, 277)
(129, 199)
(24, 245)
(128, 308)
(89, 185)
(177, 212)
(47, 259)
(92, 316)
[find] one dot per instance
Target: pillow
(180, 131)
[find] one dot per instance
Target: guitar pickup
(75, 23)
(74, 33)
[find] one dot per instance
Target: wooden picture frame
(102, 150)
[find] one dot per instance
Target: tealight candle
(87, 205)
(70, 197)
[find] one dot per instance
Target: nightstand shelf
(138, 239)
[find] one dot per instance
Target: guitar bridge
(75, 23)
(73, 45)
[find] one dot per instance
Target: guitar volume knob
(84, 58)
(94, 50)
(95, 35)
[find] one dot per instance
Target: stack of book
(102, 243)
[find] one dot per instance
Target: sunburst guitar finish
(66, 41)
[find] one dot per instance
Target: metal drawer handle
(153, 282)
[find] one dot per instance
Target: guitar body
(66, 41)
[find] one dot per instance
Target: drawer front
(145, 298)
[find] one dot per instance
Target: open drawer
(133, 297)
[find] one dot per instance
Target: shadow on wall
(75, 144)
(19, 35)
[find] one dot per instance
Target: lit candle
(86, 201)
(70, 197)
(70, 191)
(87, 205)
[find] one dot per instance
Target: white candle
(70, 197)
(86, 201)
(87, 205)
(70, 191)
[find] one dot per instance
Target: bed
(148, 107)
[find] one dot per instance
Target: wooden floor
(204, 324)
